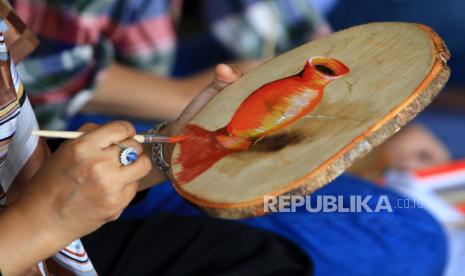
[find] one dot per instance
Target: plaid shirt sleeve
(258, 28)
(143, 33)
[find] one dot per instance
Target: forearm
(130, 92)
(26, 239)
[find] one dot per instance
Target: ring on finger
(128, 155)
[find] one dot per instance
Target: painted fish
(271, 107)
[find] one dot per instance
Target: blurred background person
(148, 58)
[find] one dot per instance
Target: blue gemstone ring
(128, 155)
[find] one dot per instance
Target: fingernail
(228, 68)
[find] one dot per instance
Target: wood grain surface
(396, 69)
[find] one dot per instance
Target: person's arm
(78, 189)
(26, 238)
(83, 185)
(131, 92)
(134, 93)
(16, 233)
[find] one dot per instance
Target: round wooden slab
(396, 69)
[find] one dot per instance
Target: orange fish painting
(271, 107)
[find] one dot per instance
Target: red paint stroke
(199, 152)
(272, 107)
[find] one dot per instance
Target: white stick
(71, 134)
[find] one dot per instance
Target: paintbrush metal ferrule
(153, 138)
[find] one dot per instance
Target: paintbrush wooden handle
(70, 134)
(146, 139)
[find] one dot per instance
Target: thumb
(224, 76)
(87, 127)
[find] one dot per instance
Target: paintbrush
(141, 138)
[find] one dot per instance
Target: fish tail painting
(268, 109)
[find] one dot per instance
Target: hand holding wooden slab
(396, 69)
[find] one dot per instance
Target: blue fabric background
(404, 242)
